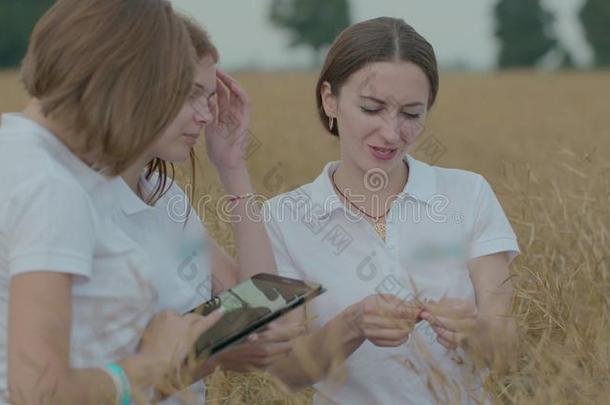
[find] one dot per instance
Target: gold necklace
(379, 223)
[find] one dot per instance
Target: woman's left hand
(261, 349)
(455, 321)
(227, 136)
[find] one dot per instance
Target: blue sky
(460, 31)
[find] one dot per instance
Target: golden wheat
(542, 140)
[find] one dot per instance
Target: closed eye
(370, 110)
(411, 116)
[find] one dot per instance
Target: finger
(446, 343)
(386, 322)
(273, 349)
(299, 328)
(445, 335)
(391, 305)
(451, 308)
(386, 334)
(206, 322)
(239, 96)
(214, 107)
(282, 324)
(455, 338)
(282, 334)
(389, 343)
(222, 95)
(264, 362)
(197, 326)
(230, 82)
(225, 77)
(261, 351)
(467, 325)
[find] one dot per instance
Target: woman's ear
(329, 100)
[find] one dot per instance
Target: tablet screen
(250, 305)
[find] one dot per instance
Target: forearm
(496, 343)
(82, 385)
(314, 355)
(254, 253)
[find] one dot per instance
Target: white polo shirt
(50, 222)
(129, 260)
(442, 218)
(180, 249)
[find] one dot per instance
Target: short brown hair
(114, 72)
(382, 39)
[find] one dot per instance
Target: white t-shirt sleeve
(285, 264)
(49, 227)
(492, 233)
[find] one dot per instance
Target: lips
(191, 138)
(383, 153)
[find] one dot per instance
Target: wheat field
(542, 140)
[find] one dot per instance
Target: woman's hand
(261, 349)
(455, 321)
(169, 339)
(227, 136)
(386, 320)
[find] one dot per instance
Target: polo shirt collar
(421, 186)
(129, 201)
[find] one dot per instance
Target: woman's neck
(371, 191)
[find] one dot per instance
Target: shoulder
(446, 177)
(51, 184)
(298, 198)
(451, 180)
(27, 163)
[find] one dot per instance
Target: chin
(179, 157)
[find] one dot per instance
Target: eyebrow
(382, 102)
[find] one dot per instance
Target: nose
(391, 129)
(202, 114)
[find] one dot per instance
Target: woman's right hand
(385, 320)
(168, 340)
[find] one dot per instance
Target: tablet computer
(248, 307)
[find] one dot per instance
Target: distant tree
(523, 29)
(595, 17)
(314, 23)
(17, 18)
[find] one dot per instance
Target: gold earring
(331, 123)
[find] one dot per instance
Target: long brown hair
(114, 73)
(382, 39)
(203, 47)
